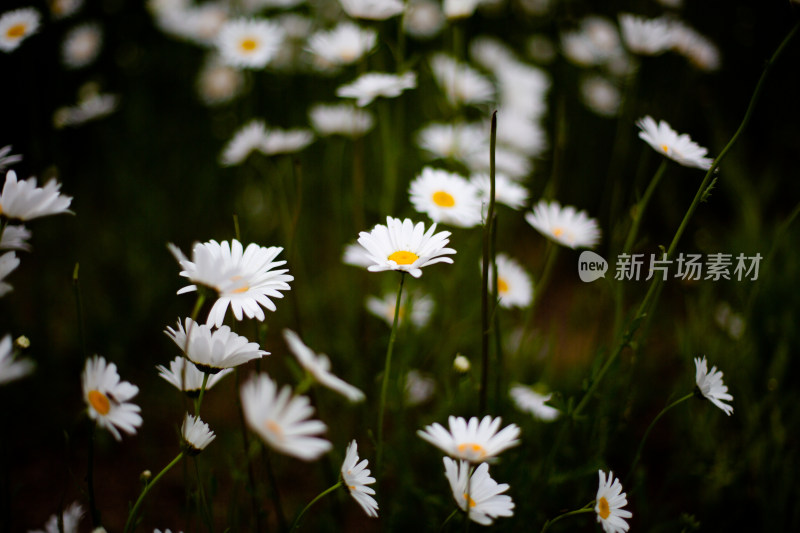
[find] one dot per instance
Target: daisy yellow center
(274, 428)
(99, 402)
(472, 502)
(16, 31)
(401, 257)
(604, 509)
(502, 285)
(665, 148)
(472, 449)
(443, 199)
(248, 45)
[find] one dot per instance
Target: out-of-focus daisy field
(372, 265)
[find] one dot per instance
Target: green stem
(488, 263)
(312, 502)
(588, 508)
(129, 524)
(386, 373)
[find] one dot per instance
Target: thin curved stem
(129, 524)
(312, 502)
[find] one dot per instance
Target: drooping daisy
(185, 376)
(249, 138)
(453, 141)
(196, 435)
(711, 386)
(279, 141)
(372, 9)
(213, 350)
(249, 43)
(107, 398)
(356, 477)
(341, 119)
(11, 369)
(446, 197)
(506, 191)
(319, 366)
(401, 245)
(70, 519)
(23, 200)
(343, 45)
(564, 225)
(460, 83)
(485, 500)
(7, 160)
(218, 83)
(16, 26)
(666, 141)
(420, 309)
(610, 502)
(8, 262)
(282, 420)
(527, 399)
(514, 286)
(646, 36)
(474, 441)
(371, 85)
(243, 279)
(81, 45)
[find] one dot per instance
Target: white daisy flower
(401, 245)
(472, 441)
(372, 9)
(282, 420)
(460, 83)
(70, 520)
(196, 434)
(243, 279)
(356, 477)
(423, 19)
(453, 141)
(446, 197)
(456, 9)
(514, 286)
(343, 45)
(250, 137)
(506, 191)
(107, 398)
(10, 369)
(341, 119)
(485, 500)
(218, 83)
(23, 200)
(213, 351)
(81, 45)
(646, 36)
(666, 141)
(319, 366)
(249, 43)
(16, 26)
(419, 388)
(187, 378)
(371, 85)
(711, 386)
(600, 95)
(279, 141)
(530, 401)
(8, 262)
(383, 308)
(8, 160)
(564, 225)
(610, 502)
(64, 8)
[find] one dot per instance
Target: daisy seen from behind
(249, 43)
(244, 279)
(24, 200)
(564, 225)
(16, 26)
(107, 398)
(474, 441)
(609, 504)
(446, 197)
(282, 420)
(356, 476)
(402, 245)
(371, 85)
(710, 385)
(666, 141)
(319, 367)
(476, 493)
(213, 350)
(195, 435)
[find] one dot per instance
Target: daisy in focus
(282, 420)
(527, 399)
(213, 351)
(319, 367)
(485, 500)
(472, 441)
(371, 85)
(356, 476)
(24, 200)
(666, 141)
(195, 434)
(249, 43)
(401, 245)
(564, 225)
(16, 26)
(446, 197)
(710, 385)
(184, 376)
(242, 278)
(107, 398)
(514, 286)
(11, 369)
(609, 504)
